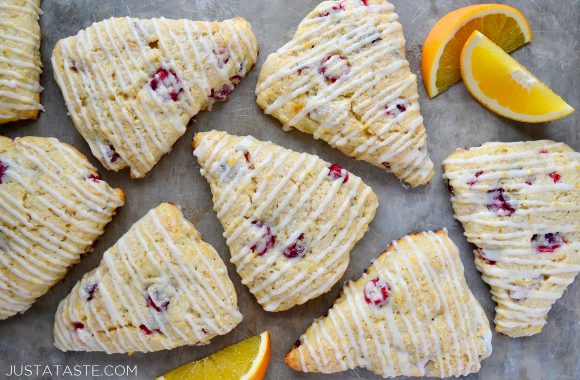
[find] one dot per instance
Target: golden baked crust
(20, 65)
(290, 219)
(53, 207)
(158, 287)
(519, 203)
(131, 86)
(410, 314)
(344, 79)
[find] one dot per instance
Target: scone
(410, 314)
(53, 207)
(131, 86)
(290, 219)
(158, 287)
(20, 65)
(519, 203)
(344, 79)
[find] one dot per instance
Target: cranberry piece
(518, 294)
(396, 108)
(365, 2)
(544, 151)
(166, 84)
(376, 292)
(337, 172)
(297, 249)
(145, 330)
(548, 243)
(335, 8)
(248, 159)
(204, 331)
(488, 262)
(488, 256)
(333, 67)
(78, 326)
(158, 309)
(266, 241)
(94, 178)
(450, 188)
(474, 181)
(236, 79)
(3, 170)
(555, 176)
(297, 344)
(89, 289)
(222, 94)
(223, 57)
(75, 67)
(157, 298)
(523, 288)
(112, 153)
(499, 202)
(529, 181)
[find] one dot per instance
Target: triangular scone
(53, 206)
(344, 79)
(519, 203)
(410, 314)
(290, 219)
(20, 65)
(131, 86)
(158, 287)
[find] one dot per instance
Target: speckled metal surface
(453, 120)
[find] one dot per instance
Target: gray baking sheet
(453, 119)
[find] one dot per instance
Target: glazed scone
(290, 219)
(410, 314)
(519, 203)
(131, 86)
(344, 79)
(53, 207)
(158, 287)
(20, 65)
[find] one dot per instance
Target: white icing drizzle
(357, 33)
(44, 174)
(221, 155)
(442, 328)
(198, 307)
(541, 182)
(104, 100)
(21, 63)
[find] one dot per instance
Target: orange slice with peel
(504, 25)
(504, 86)
(245, 360)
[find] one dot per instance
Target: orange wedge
(245, 360)
(504, 25)
(504, 86)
